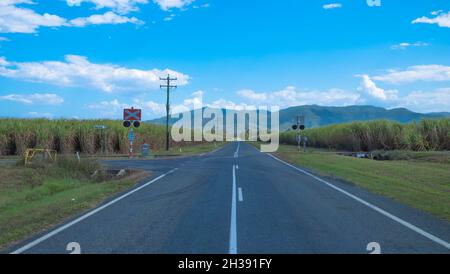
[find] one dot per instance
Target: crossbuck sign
(132, 114)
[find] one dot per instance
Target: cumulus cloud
(36, 98)
(14, 19)
(416, 73)
(126, 6)
(405, 45)
(420, 101)
(369, 86)
(120, 6)
(290, 96)
(332, 6)
(441, 19)
(79, 71)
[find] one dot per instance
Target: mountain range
(317, 116)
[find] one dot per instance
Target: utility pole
(168, 87)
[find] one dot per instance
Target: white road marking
(236, 153)
(64, 227)
(241, 198)
(379, 210)
(233, 225)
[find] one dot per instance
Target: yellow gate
(31, 152)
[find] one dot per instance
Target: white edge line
(241, 198)
(379, 210)
(233, 230)
(58, 230)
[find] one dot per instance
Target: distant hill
(316, 116)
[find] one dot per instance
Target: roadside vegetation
(418, 179)
(36, 197)
(426, 135)
(70, 136)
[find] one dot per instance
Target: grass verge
(33, 199)
(422, 184)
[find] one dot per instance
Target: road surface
(238, 200)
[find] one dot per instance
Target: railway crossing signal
(132, 117)
(299, 127)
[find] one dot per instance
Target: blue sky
(91, 58)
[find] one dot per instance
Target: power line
(168, 86)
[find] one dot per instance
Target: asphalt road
(238, 200)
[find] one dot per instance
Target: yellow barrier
(31, 152)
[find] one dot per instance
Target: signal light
(126, 123)
(136, 124)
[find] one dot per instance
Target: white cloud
(405, 45)
(106, 18)
(369, 86)
(79, 71)
(442, 19)
(120, 6)
(230, 105)
(36, 98)
(109, 109)
(416, 73)
(290, 96)
(252, 95)
(332, 6)
(14, 19)
(168, 4)
(422, 101)
(115, 104)
(154, 107)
